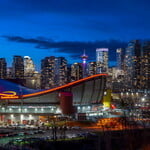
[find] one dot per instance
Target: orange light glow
(9, 97)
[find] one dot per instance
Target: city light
(84, 85)
(79, 107)
(30, 117)
(21, 117)
(143, 99)
(12, 116)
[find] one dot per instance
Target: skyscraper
(145, 66)
(60, 71)
(119, 56)
(132, 64)
(18, 67)
(47, 72)
(32, 77)
(76, 71)
(3, 68)
(84, 65)
(53, 72)
(29, 67)
(91, 67)
(102, 60)
(9, 72)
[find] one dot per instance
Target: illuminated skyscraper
(145, 66)
(47, 72)
(76, 71)
(60, 71)
(18, 67)
(32, 77)
(102, 60)
(119, 55)
(91, 67)
(84, 64)
(29, 67)
(132, 64)
(9, 72)
(53, 72)
(3, 68)
(34, 81)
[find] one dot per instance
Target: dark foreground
(109, 140)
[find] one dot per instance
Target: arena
(23, 105)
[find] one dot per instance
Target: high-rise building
(145, 67)
(29, 67)
(53, 72)
(3, 68)
(132, 64)
(47, 72)
(9, 72)
(102, 60)
(84, 65)
(119, 55)
(32, 77)
(34, 82)
(18, 67)
(91, 67)
(60, 71)
(76, 71)
(68, 73)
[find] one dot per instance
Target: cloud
(73, 48)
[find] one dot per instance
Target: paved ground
(47, 133)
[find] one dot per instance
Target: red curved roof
(63, 86)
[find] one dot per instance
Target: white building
(29, 67)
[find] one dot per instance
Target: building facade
(18, 67)
(132, 64)
(29, 67)
(53, 72)
(91, 67)
(102, 60)
(84, 65)
(145, 66)
(47, 72)
(76, 71)
(119, 57)
(3, 68)
(60, 71)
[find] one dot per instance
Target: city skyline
(9, 63)
(37, 63)
(43, 28)
(74, 74)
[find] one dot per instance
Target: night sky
(39, 28)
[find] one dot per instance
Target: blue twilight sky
(40, 28)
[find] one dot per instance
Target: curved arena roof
(86, 90)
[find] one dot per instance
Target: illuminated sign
(9, 95)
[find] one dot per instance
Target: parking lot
(11, 133)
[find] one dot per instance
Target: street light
(143, 99)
